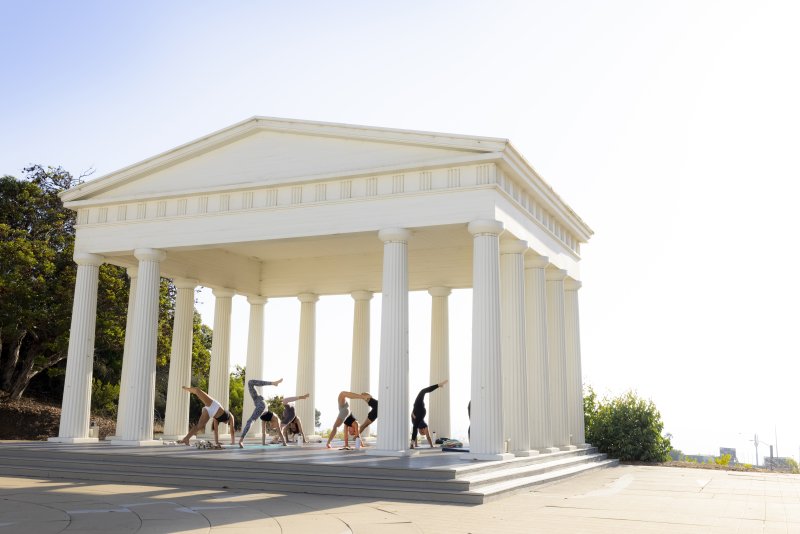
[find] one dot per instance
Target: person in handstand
(260, 405)
(289, 420)
(344, 416)
(213, 410)
(373, 412)
(418, 415)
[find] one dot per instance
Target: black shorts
(350, 420)
(267, 416)
(224, 417)
(373, 413)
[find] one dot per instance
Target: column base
(407, 453)
(488, 457)
(526, 453)
(549, 450)
(137, 443)
(72, 440)
(568, 448)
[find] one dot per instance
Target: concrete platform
(431, 475)
(629, 499)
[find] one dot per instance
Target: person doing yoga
(373, 411)
(260, 405)
(344, 416)
(418, 415)
(290, 421)
(270, 421)
(213, 410)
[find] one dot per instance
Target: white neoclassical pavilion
(272, 208)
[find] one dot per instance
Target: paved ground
(627, 498)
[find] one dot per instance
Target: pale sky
(671, 128)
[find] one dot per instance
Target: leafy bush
(795, 467)
(236, 394)
(104, 398)
(725, 459)
(626, 427)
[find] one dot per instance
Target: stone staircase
(432, 476)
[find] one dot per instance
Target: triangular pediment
(269, 152)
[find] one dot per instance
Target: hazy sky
(672, 128)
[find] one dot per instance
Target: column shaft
(306, 360)
(515, 377)
(176, 420)
(254, 367)
(573, 349)
(76, 402)
(141, 383)
(393, 386)
(538, 366)
(126, 352)
(439, 414)
(359, 367)
(220, 372)
(557, 358)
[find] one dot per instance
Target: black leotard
(419, 412)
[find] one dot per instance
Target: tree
(36, 272)
(627, 427)
(236, 393)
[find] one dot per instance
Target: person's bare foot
(327, 445)
(240, 445)
(278, 381)
(185, 441)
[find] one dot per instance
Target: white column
(126, 354)
(359, 366)
(439, 414)
(557, 358)
(486, 442)
(76, 402)
(538, 366)
(219, 380)
(515, 365)
(574, 378)
(176, 420)
(254, 366)
(306, 360)
(141, 380)
(394, 437)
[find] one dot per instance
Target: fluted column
(176, 420)
(254, 366)
(557, 358)
(359, 366)
(126, 353)
(574, 378)
(306, 360)
(538, 366)
(76, 402)
(515, 374)
(394, 437)
(141, 380)
(220, 372)
(486, 441)
(439, 418)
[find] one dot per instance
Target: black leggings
(419, 412)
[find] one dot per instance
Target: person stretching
(269, 419)
(260, 405)
(373, 412)
(418, 415)
(213, 410)
(350, 423)
(289, 420)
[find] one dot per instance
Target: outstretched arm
(232, 425)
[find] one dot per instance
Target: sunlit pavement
(622, 499)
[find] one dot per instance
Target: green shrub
(236, 394)
(725, 459)
(104, 398)
(626, 427)
(795, 467)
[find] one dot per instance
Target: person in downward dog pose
(344, 416)
(373, 412)
(213, 410)
(269, 419)
(289, 420)
(260, 405)
(418, 415)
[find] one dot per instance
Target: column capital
(536, 262)
(149, 254)
(485, 226)
(308, 297)
(86, 258)
(570, 284)
(513, 246)
(388, 235)
(555, 274)
(133, 272)
(184, 283)
(361, 295)
(255, 300)
(439, 291)
(223, 292)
